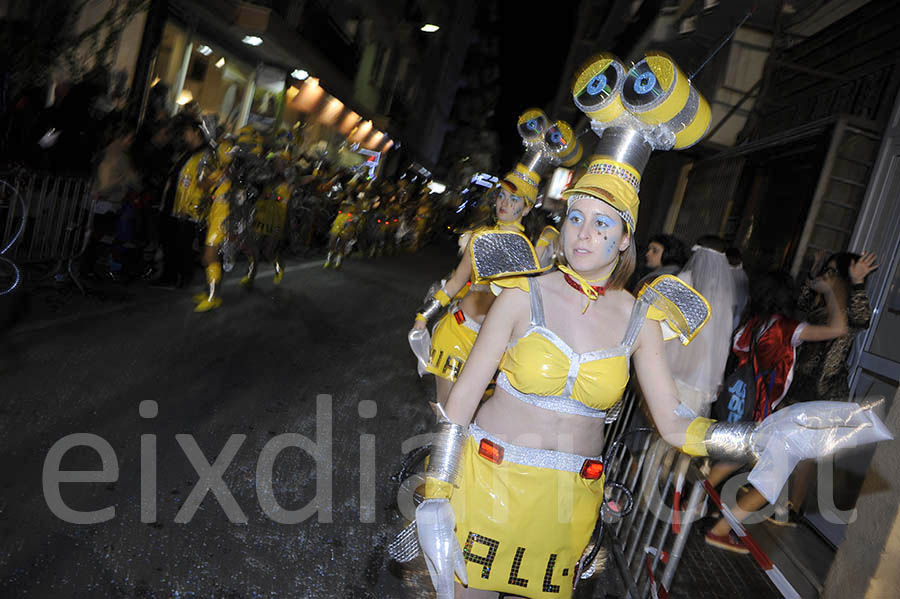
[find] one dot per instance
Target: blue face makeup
(575, 217)
(604, 223)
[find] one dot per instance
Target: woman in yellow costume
(216, 229)
(270, 222)
(455, 333)
(511, 499)
(342, 234)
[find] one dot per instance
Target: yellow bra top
(543, 370)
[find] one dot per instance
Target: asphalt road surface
(325, 348)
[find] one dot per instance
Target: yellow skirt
(342, 221)
(451, 341)
(271, 216)
(216, 221)
(523, 528)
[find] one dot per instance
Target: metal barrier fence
(648, 543)
(58, 215)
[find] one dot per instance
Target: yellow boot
(213, 277)
(247, 281)
(279, 273)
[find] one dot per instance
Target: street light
(429, 28)
(252, 40)
(299, 74)
(220, 63)
(205, 50)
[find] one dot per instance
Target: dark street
(254, 368)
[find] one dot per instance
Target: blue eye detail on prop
(532, 124)
(644, 83)
(556, 137)
(596, 85)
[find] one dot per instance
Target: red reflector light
(490, 451)
(459, 316)
(592, 469)
(339, 211)
(379, 220)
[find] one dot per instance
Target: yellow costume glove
(695, 436)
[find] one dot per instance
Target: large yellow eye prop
(657, 92)
(598, 86)
(561, 140)
(532, 124)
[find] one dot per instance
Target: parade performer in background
(216, 228)
(511, 499)
(189, 204)
(270, 222)
(455, 332)
(342, 234)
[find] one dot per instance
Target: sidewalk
(709, 573)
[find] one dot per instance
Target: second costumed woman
(455, 333)
(513, 495)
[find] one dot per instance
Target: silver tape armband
(446, 450)
(730, 441)
(430, 308)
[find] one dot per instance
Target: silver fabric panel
(692, 307)
(502, 254)
(537, 303)
(529, 456)
(638, 315)
(469, 323)
(574, 365)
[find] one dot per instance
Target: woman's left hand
(860, 269)
(806, 431)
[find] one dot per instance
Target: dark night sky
(534, 47)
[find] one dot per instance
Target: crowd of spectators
(801, 333)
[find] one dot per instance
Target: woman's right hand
(419, 325)
(435, 522)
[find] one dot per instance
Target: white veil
(698, 368)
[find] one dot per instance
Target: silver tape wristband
(730, 441)
(446, 452)
(430, 308)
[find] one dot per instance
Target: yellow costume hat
(651, 106)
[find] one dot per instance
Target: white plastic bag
(420, 343)
(805, 431)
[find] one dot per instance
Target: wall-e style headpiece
(546, 145)
(651, 106)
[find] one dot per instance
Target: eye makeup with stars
(602, 223)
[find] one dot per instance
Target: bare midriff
(476, 304)
(522, 424)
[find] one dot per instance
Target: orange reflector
(490, 451)
(592, 469)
